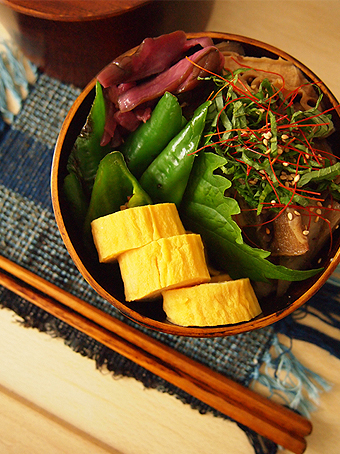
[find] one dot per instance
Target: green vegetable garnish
(87, 151)
(114, 188)
(272, 157)
(143, 145)
(77, 200)
(166, 177)
(208, 212)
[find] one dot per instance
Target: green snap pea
(167, 176)
(114, 187)
(87, 152)
(76, 198)
(150, 138)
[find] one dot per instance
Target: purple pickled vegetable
(204, 41)
(128, 120)
(133, 83)
(153, 56)
(178, 78)
(110, 124)
(212, 61)
(143, 114)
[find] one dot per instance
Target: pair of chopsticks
(267, 418)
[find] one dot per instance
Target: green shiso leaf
(327, 173)
(314, 123)
(207, 211)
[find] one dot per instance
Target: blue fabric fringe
(325, 306)
(285, 377)
(16, 75)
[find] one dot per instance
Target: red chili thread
(279, 118)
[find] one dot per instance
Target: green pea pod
(114, 187)
(166, 177)
(87, 152)
(150, 138)
(76, 198)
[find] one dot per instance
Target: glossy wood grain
(267, 418)
(73, 10)
(106, 280)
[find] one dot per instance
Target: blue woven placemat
(29, 237)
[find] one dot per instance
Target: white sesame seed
(267, 135)
(296, 178)
(318, 211)
(286, 164)
(284, 137)
(305, 232)
(265, 142)
(297, 213)
(290, 216)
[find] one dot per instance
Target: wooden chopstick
(260, 414)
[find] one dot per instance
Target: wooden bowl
(106, 279)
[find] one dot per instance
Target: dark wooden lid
(73, 10)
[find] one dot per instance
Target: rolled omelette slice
(172, 262)
(135, 227)
(212, 304)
